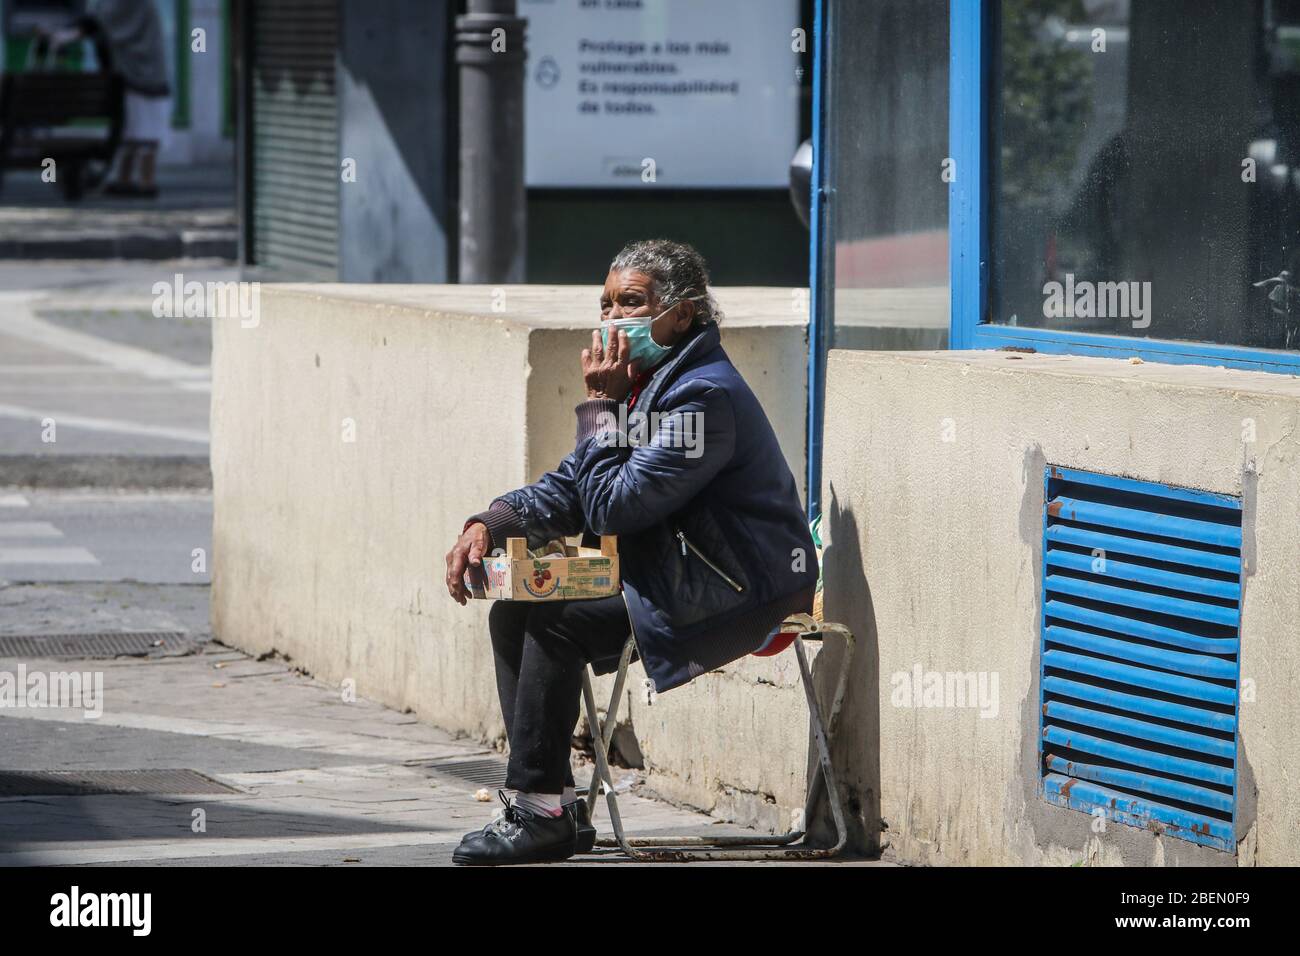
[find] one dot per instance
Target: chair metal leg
(686, 848)
(602, 732)
(602, 761)
(823, 749)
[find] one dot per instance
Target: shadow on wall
(856, 751)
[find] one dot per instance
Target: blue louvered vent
(1141, 610)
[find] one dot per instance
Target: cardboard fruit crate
(583, 573)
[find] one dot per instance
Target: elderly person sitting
(714, 546)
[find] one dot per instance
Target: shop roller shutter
(295, 138)
(1140, 642)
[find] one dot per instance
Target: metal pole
(490, 57)
(821, 274)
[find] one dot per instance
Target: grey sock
(546, 804)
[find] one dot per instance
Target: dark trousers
(540, 651)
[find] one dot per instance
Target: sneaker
(496, 818)
(519, 836)
(585, 839)
(581, 819)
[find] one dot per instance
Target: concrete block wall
(933, 498)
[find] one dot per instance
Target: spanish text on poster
(662, 93)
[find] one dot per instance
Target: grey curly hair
(679, 273)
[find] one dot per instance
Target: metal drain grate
(489, 772)
(48, 783)
(105, 644)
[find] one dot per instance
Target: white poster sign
(661, 93)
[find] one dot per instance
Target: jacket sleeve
(502, 523)
(627, 482)
(542, 511)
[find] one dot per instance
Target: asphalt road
(144, 537)
(81, 349)
(87, 368)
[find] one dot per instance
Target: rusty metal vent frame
(140, 782)
(1140, 648)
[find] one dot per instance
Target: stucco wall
(933, 492)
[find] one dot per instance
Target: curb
(181, 472)
(162, 244)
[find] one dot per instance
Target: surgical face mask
(642, 348)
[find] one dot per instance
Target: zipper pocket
(735, 585)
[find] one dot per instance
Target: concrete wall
(395, 219)
(331, 552)
(935, 556)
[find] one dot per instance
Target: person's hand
(467, 552)
(608, 372)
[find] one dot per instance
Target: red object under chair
(779, 643)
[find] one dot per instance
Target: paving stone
(319, 781)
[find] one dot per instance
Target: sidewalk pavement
(192, 217)
(313, 779)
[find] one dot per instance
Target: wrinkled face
(631, 294)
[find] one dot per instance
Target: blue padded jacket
(714, 546)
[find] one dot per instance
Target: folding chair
(794, 630)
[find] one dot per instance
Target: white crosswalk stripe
(28, 555)
(18, 545)
(91, 423)
(13, 501)
(29, 529)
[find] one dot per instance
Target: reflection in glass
(888, 115)
(1147, 168)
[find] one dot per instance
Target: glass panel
(1147, 167)
(888, 115)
